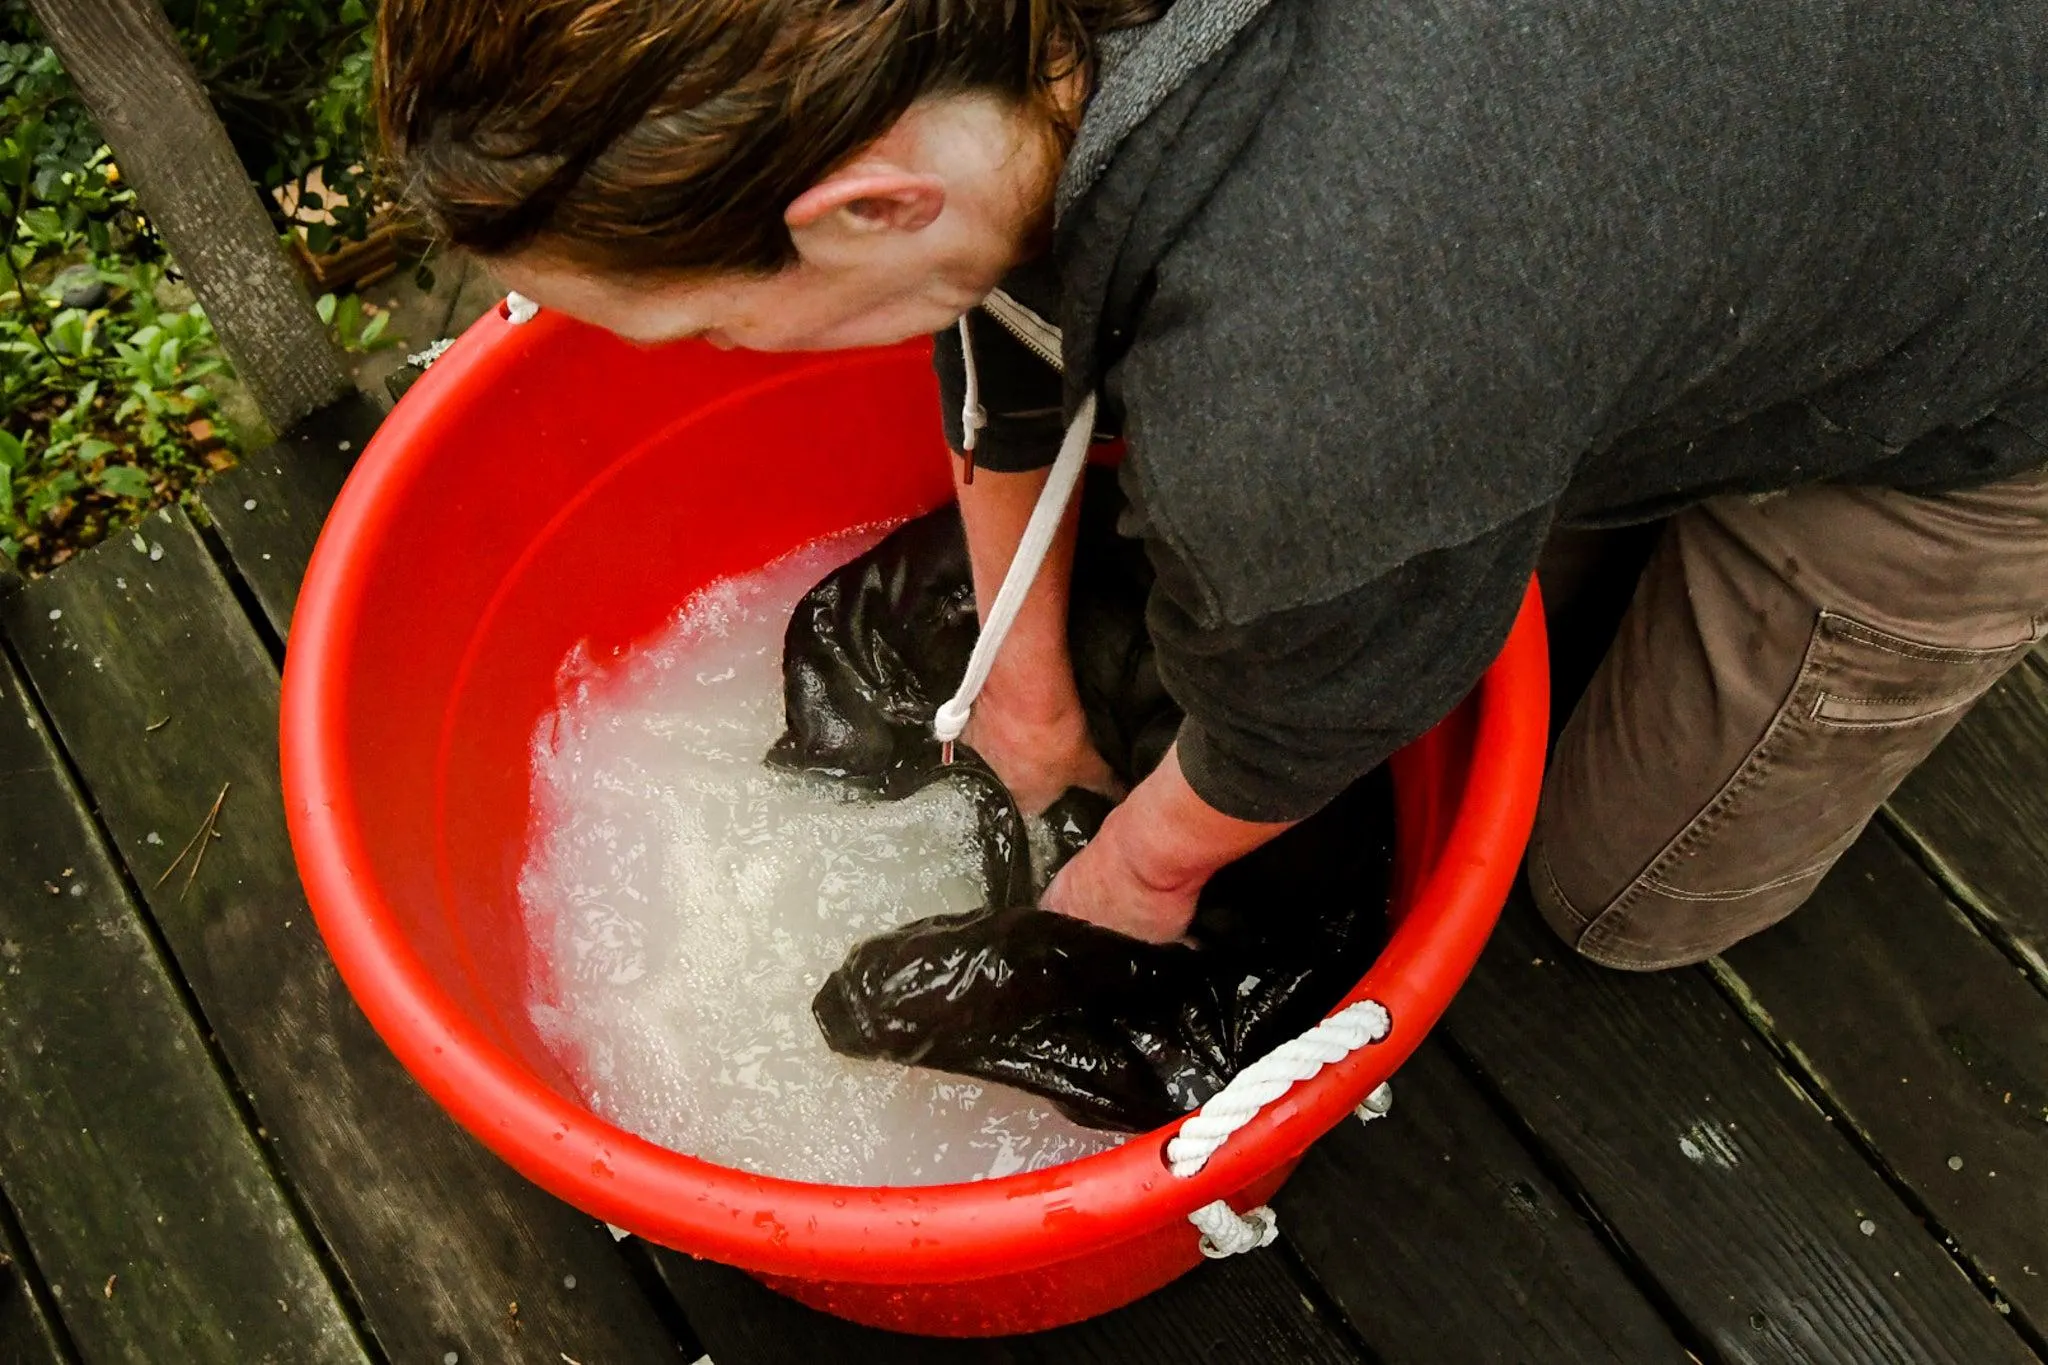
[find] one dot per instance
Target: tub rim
(882, 1235)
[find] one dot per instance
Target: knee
(1649, 924)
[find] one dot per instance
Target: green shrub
(103, 412)
(291, 82)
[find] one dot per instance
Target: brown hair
(671, 134)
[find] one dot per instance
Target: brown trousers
(1784, 663)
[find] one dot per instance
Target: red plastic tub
(545, 485)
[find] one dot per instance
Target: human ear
(864, 201)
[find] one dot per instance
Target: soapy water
(684, 902)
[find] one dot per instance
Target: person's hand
(1038, 756)
(1103, 885)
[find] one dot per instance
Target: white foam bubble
(684, 903)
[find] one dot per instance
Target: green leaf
(11, 451)
(319, 238)
(352, 12)
(43, 224)
(68, 333)
(42, 500)
(125, 481)
(324, 306)
(92, 447)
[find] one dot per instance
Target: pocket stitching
(1936, 707)
(1813, 869)
(1607, 926)
(1913, 649)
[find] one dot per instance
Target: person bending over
(1383, 298)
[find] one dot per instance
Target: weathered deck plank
(436, 1237)
(27, 1336)
(102, 1126)
(1978, 811)
(1931, 1042)
(1443, 1243)
(1249, 1308)
(269, 509)
(1721, 1177)
(1650, 1095)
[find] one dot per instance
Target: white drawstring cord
(1039, 534)
(973, 416)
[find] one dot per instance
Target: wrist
(1035, 686)
(1133, 838)
(1173, 840)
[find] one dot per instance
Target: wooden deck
(1831, 1146)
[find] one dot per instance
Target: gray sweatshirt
(1381, 293)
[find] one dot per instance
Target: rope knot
(1226, 1232)
(950, 720)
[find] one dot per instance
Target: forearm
(1033, 676)
(1172, 840)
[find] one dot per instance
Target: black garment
(1379, 294)
(1117, 1033)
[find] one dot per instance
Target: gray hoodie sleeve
(1289, 709)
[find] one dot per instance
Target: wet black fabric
(1117, 1033)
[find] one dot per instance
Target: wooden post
(170, 145)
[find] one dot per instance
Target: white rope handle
(1270, 1077)
(519, 308)
(1039, 532)
(1225, 1231)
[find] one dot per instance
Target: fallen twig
(207, 827)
